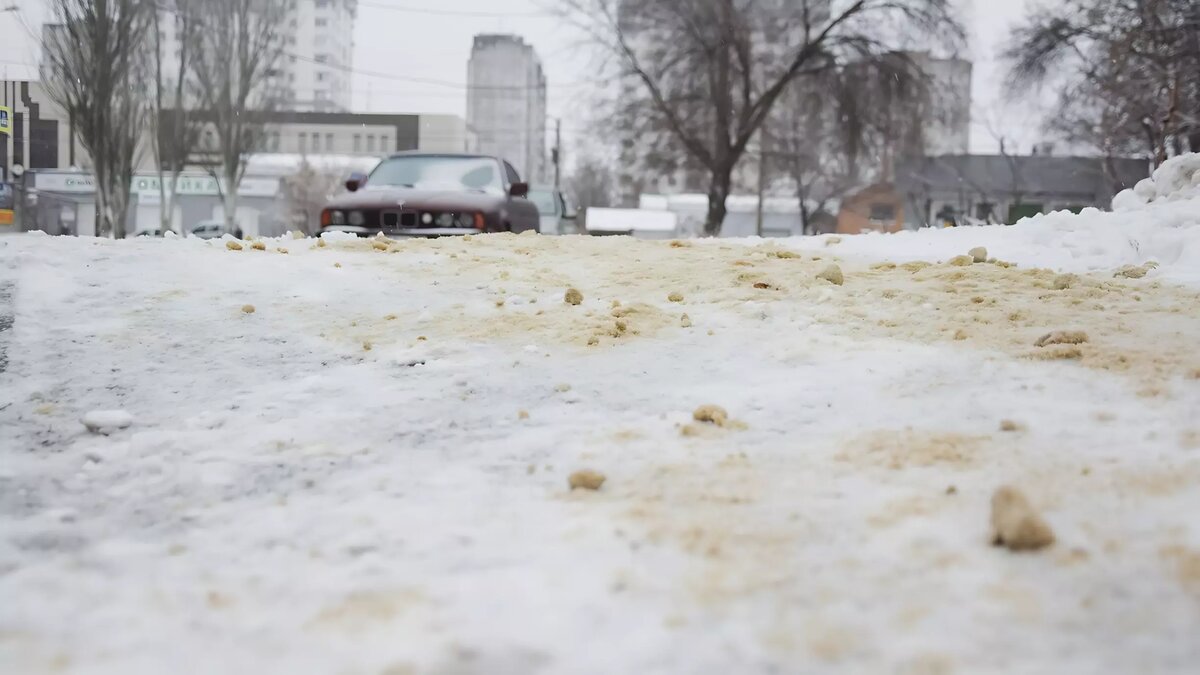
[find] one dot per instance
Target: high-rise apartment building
(313, 73)
(506, 103)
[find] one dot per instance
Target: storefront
(64, 203)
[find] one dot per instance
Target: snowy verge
(1157, 221)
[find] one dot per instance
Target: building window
(370, 143)
(328, 142)
(1020, 210)
(321, 4)
(321, 95)
(321, 77)
(321, 22)
(321, 58)
(358, 142)
(383, 143)
(303, 142)
(883, 213)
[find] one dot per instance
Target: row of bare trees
(108, 67)
(1128, 72)
(715, 78)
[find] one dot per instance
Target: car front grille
(392, 220)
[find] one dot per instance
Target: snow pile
(1177, 179)
(1158, 221)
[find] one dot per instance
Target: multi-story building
(317, 47)
(948, 128)
(506, 103)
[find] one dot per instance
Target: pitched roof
(1028, 175)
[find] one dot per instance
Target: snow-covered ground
(354, 457)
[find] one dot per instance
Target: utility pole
(557, 154)
(762, 183)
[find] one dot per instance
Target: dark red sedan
(416, 194)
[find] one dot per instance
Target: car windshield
(545, 201)
(446, 173)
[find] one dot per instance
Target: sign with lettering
(145, 184)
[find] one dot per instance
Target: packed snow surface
(371, 472)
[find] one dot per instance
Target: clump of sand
(978, 254)
(1135, 271)
(1009, 425)
(573, 296)
(1064, 281)
(961, 261)
(675, 296)
(1015, 524)
(233, 246)
(247, 309)
(832, 274)
(685, 321)
(1062, 337)
(258, 246)
(586, 479)
(713, 414)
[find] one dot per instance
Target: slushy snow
(292, 501)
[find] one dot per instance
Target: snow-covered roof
(286, 164)
(695, 201)
(630, 220)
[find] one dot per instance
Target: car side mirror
(355, 181)
(519, 189)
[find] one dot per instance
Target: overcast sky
(431, 40)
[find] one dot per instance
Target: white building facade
(314, 71)
(506, 103)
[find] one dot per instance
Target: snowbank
(371, 472)
(1158, 220)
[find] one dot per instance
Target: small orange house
(878, 208)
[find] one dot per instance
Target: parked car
(149, 232)
(414, 194)
(555, 215)
(213, 229)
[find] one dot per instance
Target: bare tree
(307, 191)
(845, 127)
(712, 70)
(234, 60)
(175, 131)
(93, 70)
(1128, 70)
(591, 184)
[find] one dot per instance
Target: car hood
(432, 200)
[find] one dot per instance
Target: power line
(444, 83)
(452, 12)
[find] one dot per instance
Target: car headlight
(446, 220)
(426, 218)
(338, 217)
(357, 218)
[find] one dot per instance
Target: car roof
(419, 153)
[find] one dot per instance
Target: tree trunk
(718, 192)
(230, 194)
